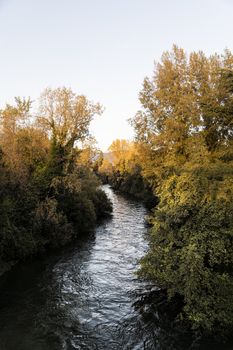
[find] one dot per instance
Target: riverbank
(132, 186)
(83, 298)
(87, 295)
(55, 222)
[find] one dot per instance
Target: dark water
(88, 296)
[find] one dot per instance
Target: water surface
(88, 295)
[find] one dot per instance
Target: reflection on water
(88, 296)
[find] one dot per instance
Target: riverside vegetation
(49, 193)
(122, 170)
(183, 151)
(181, 163)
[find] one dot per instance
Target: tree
(89, 155)
(66, 117)
(13, 118)
(191, 250)
(183, 104)
(123, 152)
(47, 198)
(184, 131)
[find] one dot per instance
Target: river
(87, 295)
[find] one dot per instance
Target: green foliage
(191, 250)
(50, 225)
(131, 182)
(47, 197)
(184, 131)
(121, 168)
(102, 204)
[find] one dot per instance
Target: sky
(102, 48)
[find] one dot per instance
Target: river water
(87, 296)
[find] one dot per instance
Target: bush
(102, 204)
(191, 250)
(50, 225)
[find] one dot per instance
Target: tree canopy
(185, 135)
(48, 194)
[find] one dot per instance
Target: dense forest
(183, 152)
(49, 193)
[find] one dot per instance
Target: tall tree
(183, 104)
(66, 117)
(13, 118)
(185, 130)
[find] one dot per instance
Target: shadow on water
(87, 296)
(165, 330)
(31, 309)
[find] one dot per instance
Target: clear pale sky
(102, 48)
